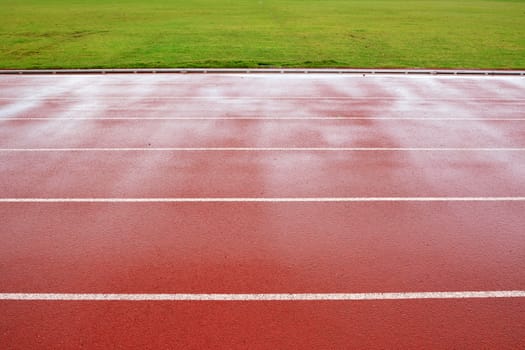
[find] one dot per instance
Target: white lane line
(276, 98)
(262, 149)
(262, 296)
(263, 118)
(261, 199)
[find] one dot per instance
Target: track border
(355, 71)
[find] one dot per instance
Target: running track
(262, 211)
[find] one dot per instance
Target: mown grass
(262, 33)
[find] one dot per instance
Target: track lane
(144, 174)
(261, 133)
(262, 247)
(245, 95)
(466, 324)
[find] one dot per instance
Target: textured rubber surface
(262, 136)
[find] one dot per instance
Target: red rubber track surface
(262, 174)
(263, 247)
(452, 137)
(347, 133)
(465, 324)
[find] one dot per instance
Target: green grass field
(262, 33)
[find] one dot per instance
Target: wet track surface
(301, 139)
